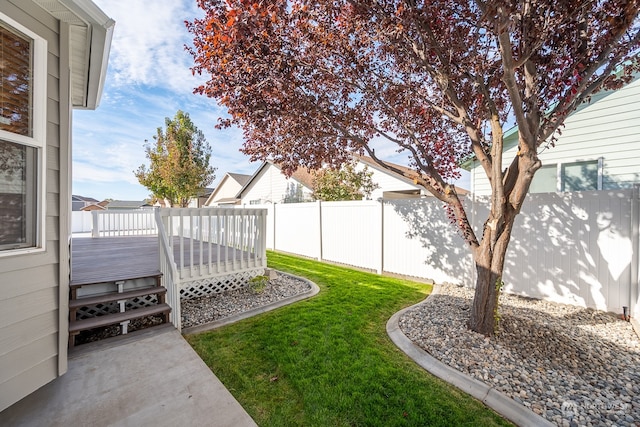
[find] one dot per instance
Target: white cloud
(85, 172)
(148, 42)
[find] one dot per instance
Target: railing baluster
(192, 237)
(219, 240)
(201, 236)
(209, 239)
(181, 237)
(241, 225)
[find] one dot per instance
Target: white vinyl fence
(577, 248)
(115, 223)
(81, 222)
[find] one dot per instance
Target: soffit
(90, 33)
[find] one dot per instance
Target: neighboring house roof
(229, 178)
(227, 201)
(205, 192)
(306, 177)
(372, 163)
(84, 199)
(90, 34)
(94, 207)
(239, 177)
(125, 204)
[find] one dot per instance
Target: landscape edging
(258, 310)
(491, 397)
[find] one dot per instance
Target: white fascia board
(100, 34)
(99, 37)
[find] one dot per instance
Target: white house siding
(608, 127)
(386, 182)
(270, 185)
(30, 285)
(227, 189)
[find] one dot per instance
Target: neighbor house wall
(32, 343)
(227, 189)
(270, 185)
(385, 181)
(607, 127)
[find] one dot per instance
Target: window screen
(545, 179)
(580, 176)
(15, 82)
(17, 195)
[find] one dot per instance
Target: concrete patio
(149, 377)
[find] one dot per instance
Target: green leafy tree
(294, 193)
(179, 162)
(345, 183)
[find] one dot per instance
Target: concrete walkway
(147, 378)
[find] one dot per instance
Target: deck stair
(131, 304)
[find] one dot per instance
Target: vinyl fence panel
(298, 228)
(352, 233)
(574, 248)
(81, 221)
(577, 248)
(420, 241)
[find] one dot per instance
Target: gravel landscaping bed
(203, 310)
(571, 365)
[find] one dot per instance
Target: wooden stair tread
(86, 281)
(110, 319)
(115, 296)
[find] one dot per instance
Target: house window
(545, 180)
(22, 130)
(580, 176)
(576, 176)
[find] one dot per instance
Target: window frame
(37, 139)
(560, 179)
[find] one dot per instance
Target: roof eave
(91, 33)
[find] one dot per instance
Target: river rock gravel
(571, 365)
(206, 309)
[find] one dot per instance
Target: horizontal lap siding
(29, 284)
(609, 127)
(270, 185)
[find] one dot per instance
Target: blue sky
(148, 79)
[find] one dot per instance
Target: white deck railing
(169, 274)
(115, 223)
(213, 241)
(193, 244)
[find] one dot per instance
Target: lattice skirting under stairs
(113, 307)
(216, 285)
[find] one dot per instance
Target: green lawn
(328, 361)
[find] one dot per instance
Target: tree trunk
(489, 259)
(483, 317)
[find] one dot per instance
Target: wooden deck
(109, 259)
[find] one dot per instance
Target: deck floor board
(109, 259)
